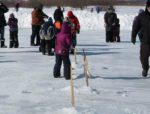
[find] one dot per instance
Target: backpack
(48, 35)
(42, 33)
(50, 32)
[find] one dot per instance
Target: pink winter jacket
(63, 40)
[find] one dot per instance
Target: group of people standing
(140, 27)
(58, 36)
(112, 25)
(13, 27)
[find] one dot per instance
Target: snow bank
(88, 20)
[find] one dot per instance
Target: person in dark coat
(17, 5)
(13, 28)
(62, 46)
(58, 15)
(110, 19)
(142, 24)
(98, 9)
(37, 20)
(3, 10)
(136, 17)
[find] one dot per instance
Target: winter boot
(72, 51)
(3, 44)
(11, 44)
(16, 45)
(144, 73)
(32, 42)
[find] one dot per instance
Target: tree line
(72, 3)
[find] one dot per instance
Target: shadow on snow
(8, 61)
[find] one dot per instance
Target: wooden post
(84, 62)
(86, 74)
(72, 88)
(75, 57)
(85, 69)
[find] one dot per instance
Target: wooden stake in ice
(75, 55)
(72, 88)
(85, 68)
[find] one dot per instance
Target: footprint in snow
(123, 93)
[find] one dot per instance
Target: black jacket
(3, 9)
(58, 15)
(110, 19)
(142, 25)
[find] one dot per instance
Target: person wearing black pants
(35, 34)
(14, 39)
(3, 10)
(37, 20)
(110, 18)
(141, 25)
(66, 62)
(63, 44)
(13, 28)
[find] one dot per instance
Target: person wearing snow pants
(13, 28)
(35, 34)
(66, 62)
(37, 20)
(2, 39)
(142, 25)
(63, 44)
(3, 10)
(110, 18)
(144, 56)
(14, 39)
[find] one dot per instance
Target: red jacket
(75, 22)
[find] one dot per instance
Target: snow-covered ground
(116, 86)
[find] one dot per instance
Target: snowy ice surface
(116, 86)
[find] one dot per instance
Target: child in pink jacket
(62, 46)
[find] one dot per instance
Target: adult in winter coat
(3, 10)
(75, 28)
(37, 20)
(62, 47)
(13, 28)
(58, 15)
(110, 19)
(142, 24)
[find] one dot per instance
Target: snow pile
(88, 20)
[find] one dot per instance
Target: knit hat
(110, 8)
(141, 11)
(50, 19)
(11, 15)
(70, 14)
